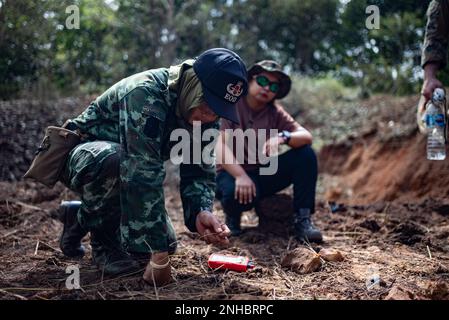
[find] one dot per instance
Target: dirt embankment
(370, 170)
(384, 159)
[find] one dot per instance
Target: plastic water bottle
(435, 123)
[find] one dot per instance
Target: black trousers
(297, 166)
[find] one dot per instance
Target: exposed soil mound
(383, 158)
(371, 171)
(302, 261)
(408, 233)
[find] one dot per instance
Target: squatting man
(118, 169)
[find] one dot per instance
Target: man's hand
(430, 83)
(211, 229)
(271, 146)
(429, 86)
(245, 189)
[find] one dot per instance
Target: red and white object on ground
(230, 262)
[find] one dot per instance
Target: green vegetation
(326, 107)
(40, 56)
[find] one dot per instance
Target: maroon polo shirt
(273, 116)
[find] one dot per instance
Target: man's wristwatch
(286, 135)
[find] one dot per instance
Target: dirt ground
(380, 203)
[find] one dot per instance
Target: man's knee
(226, 189)
(104, 165)
(305, 152)
(305, 155)
(232, 205)
(111, 165)
(225, 186)
(227, 199)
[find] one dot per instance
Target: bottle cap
(438, 95)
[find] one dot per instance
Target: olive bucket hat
(271, 66)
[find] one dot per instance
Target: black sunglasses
(263, 82)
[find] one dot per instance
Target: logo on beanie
(234, 91)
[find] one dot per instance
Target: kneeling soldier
(118, 169)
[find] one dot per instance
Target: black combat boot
(233, 223)
(98, 251)
(305, 230)
(72, 233)
(108, 255)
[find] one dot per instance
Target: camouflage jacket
(437, 34)
(139, 113)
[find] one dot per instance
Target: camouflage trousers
(93, 171)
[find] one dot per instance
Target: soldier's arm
(197, 193)
(100, 115)
(437, 34)
(142, 172)
(197, 189)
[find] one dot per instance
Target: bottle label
(439, 120)
(433, 120)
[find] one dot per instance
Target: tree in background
(385, 59)
(120, 37)
(27, 29)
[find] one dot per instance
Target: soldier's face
(202, 113)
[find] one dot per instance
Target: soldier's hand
(211, 229)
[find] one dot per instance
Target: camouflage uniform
(119, 170)
(437, 34)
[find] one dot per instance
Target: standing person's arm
(434, 54)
